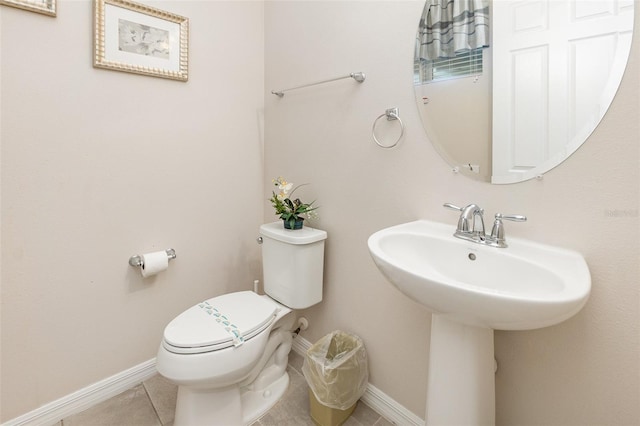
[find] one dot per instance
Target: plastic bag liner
(336, 369)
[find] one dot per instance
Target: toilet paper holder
(137, 259)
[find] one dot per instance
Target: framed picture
(47, 7)
(140, 39)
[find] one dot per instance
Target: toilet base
(257, 403)
(228, 406)
(208, 407)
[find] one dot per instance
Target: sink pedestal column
(461, 385)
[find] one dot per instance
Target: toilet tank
(293, 263)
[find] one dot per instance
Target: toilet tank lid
(306, 235)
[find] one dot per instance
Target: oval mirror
(507, 90)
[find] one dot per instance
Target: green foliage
(290, 210)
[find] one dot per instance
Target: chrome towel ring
(392, 115)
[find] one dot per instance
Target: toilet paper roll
(155, 262)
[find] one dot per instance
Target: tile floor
(152, 403)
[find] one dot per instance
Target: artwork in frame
(140, 39)
(46, 7)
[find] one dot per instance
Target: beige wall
(584, 371)
(99, 165)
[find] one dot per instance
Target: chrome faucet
(471, 225)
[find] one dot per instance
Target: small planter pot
(297, 225)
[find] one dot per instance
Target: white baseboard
(380, 402)
(78, 401)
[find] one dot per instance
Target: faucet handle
(452, 207)
(512, 217)
(497, 232)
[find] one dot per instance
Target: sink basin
(524, 286)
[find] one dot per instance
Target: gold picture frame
(140, 39)
(46, 7)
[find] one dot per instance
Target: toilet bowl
(228, 354)
(209, 362)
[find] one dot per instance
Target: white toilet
(228, 355)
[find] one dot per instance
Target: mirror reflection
(507, 90)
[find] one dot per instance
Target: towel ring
(391, 114)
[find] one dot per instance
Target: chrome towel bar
(357, 76)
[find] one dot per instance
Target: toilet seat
(219, 323)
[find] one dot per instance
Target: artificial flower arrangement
(292, 212)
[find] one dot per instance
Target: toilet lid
(219, 323)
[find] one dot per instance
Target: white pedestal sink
(472, 290)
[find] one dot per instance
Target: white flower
(283, 186)
(284, 190)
